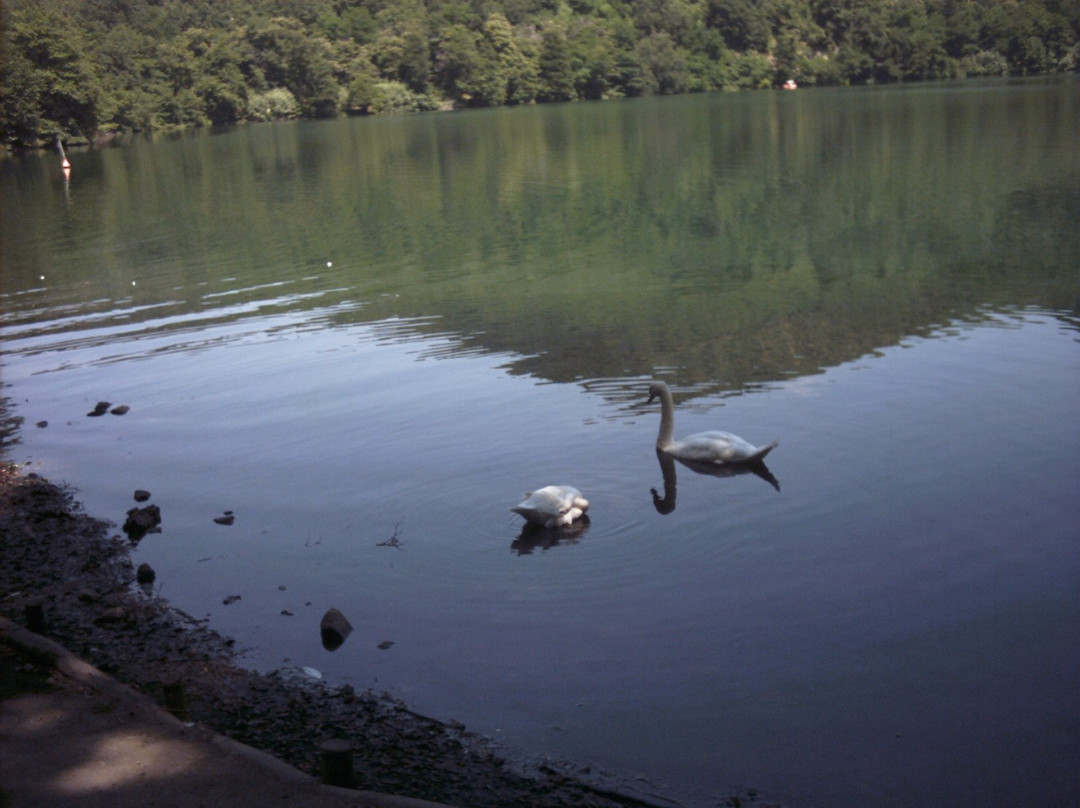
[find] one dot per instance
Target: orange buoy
(64, 164)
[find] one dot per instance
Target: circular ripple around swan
(462, 534)
(489, 522)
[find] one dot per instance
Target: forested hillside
(79, 68)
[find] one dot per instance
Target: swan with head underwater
(552, 506)
(717, 448)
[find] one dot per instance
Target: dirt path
(72, 736)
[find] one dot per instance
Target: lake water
(367, 338)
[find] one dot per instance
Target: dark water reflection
(356, 331)
(666, 504)
(534, 538)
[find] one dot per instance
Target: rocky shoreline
(80, 572)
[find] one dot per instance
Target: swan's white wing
(717, 447)
(552, 505)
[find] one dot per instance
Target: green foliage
(744, 24)
(50, 83)
(273, 105)
(485, 67)
(287, 56)
(556, 69)
(75, 67)
(594, 59)
(393, 96)
(661, 66)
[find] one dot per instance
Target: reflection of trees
(739, 239)
(1037, 229)
(779, 241)
(9, 425)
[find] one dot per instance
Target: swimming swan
(552, 506)
(704, 447)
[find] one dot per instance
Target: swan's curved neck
(667, 420)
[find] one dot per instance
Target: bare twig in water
(394, 540)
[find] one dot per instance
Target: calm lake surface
(367, 338)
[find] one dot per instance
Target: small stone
(231, 599)
(141, 496)
(121, 410)
(145, 574)
(100, 408)
(286, 613)
(385, 644)
(334, 629)
(227, 519)
(42, 424)
(141, 521)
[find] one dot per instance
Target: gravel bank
(81, 571)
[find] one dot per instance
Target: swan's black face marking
(654, 392)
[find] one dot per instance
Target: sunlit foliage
(77, 68)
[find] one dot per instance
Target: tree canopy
(79, 68)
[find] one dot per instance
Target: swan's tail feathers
(759, 455)
(761, 470)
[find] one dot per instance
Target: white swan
(552, 506)
(704, 447)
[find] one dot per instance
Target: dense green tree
(593, 55)
(556, 68)
(517, 71)
(679, 19)
(76, 67)
(797, 41)
(132, 79)
(662, 66)
(287, 56)
(50, 85)
(466, 71)
(218, 58)
(358, 24)
(744, 24)
(961, 28)
(403, 54)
